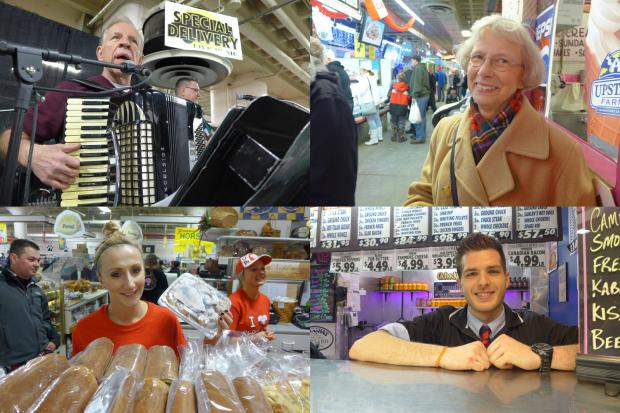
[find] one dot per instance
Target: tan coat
(532, 163)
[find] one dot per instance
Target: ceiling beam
(83, 6)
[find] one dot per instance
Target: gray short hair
(121, 19)
(533, 66)
(182, 82)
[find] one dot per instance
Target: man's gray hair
(183, 81)
(121, 19)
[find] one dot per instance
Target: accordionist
(55, 165)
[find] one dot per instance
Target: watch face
(542, 348)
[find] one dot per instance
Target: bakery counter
(350, 386)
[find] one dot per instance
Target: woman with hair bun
(127, 319)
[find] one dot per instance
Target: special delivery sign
(196, 29)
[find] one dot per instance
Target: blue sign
(605, 94)
(342, 38)
(406, 49)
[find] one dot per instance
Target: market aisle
(386, 170)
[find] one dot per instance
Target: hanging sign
(335, 228)
(411, 225)
(314, 218)
(526, 255)
(496, 222)
(450, 224)
(443, 258)
(373, 226)
(537, 224)
(412, 259)
(378, 261)
(68, 224)
(346, 262)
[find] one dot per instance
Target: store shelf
(86, 299)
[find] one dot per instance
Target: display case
(77, 308)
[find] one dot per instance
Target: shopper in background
(175, 267)
(26, 330)
(432, 82)
(155, 281)
(368, 92)
(127, 319)
(188, 88)
(420, 91)
(483, 333)
(505, 153)
(399, 107)
(456, 82)
(440, 75)
(250, 307)
(333, 137)
(344, 81)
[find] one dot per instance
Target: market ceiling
(443, 19)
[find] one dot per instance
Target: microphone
(131, 67)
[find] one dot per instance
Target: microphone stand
(28, 69)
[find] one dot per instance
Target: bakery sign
(605, 94)
(321, 337)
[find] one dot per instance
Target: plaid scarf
(484, 133)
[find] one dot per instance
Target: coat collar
(527, 135)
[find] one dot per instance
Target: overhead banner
(189, 28)
(184, 236)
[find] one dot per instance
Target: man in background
(27, 331)
(420, 91)
(344, 81)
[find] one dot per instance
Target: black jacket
(333, 144)
(155, 284)
(343, 80)
(447, 326)
(25, 326)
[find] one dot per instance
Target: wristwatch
(545, 351)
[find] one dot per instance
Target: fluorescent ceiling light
(104, 209)
(466, 33)
(406, 8)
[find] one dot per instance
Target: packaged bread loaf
(182, 397)
(283, 398)
(20, 389)
(69, 393)
(152, 397)
(251, 395)
(116, 393)
(161, 363)
(96, 356)
(131, 357)
(217, 393)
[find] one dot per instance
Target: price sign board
(450, 224)
(346, 262)
(373, 226)
(322, 302)
(527, 255)
(378, 261)
(335, 228)
(572, 229)
(536, 224)
(412, 259)
(411, 226)
(496, 222)
(443, 258)
(314, 219)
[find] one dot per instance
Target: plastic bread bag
(196, 303)
(115, 394)
(69, 393)
(131, 357)
(234, 357)
(151, 397)
(192, 360)
(251, 395)
(216, 394)
(181, 397)
(162, 363)
(96, 356)
(21, 388)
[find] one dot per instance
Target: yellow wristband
(440, 356)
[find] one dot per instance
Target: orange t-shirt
(249, 315)
(159, 326)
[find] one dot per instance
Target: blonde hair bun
(111, 229)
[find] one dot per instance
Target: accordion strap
(90, 85)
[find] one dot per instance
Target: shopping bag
(367, 108)
(414, 113)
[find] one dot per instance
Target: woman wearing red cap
(250, 308)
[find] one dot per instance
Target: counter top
(351, 386)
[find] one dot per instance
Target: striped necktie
(485, 335)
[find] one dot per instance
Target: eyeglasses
(195, 89)
(501, 64)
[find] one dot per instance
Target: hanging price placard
(314, 218)
(450, 224)
(412, 259)
(496, 222)
(535, 224)
(411, 225)
(443, 258)
(345, 262)
(373, 226)
(527, 255)
(378, 261)
(572, 229)
(335, 228)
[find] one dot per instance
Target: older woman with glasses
(501, 151)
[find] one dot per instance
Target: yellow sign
(190, 236)
(371, 52)
(360, 49)
(4, 234)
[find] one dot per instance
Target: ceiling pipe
(108, 7)
(289, 24)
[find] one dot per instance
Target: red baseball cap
(248, 259)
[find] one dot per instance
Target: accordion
(134, 150)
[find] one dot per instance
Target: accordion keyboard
(87, 124)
